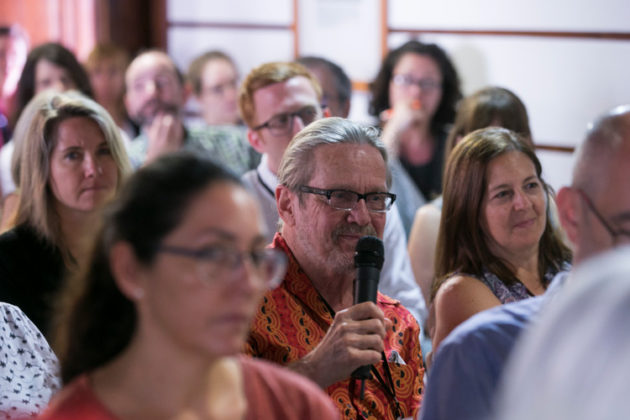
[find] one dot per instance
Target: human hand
(398, 121)
(354, 339)
(165, 135)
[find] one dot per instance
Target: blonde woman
(71, 161)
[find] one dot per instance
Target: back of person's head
(58, 55)
(35, 140)
(451, 93)
(462, 242)
(606, 137)
(265, 75)
(297, 166)
(97, 321)
(343, 85)
(490, 106)
(195, 70)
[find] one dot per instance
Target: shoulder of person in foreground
(465, 372)
(29, 370)
(274, 392)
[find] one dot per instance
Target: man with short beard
(155, 97)
(333, 189)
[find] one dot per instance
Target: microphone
(368, 260)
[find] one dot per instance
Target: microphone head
(369, 252)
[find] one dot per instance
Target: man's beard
(147, 113)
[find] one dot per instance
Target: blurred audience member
(579, 346)
(72, 162)
(13, 50)
(414, 95)
(153, 326)
(29, 371)
(155, 98)
(335, 83)
(495, 244)
(327, 201)
(106, 65)
(48, 66)
(214, 79)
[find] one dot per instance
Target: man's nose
(360, 214)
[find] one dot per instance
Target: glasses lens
(378, 202)
(271, 267)
(307, 115)
(343, 200)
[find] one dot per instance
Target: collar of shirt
(268, 177)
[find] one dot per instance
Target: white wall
(565, 82)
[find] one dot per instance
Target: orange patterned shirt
(294, 318)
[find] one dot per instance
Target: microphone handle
(365, 290)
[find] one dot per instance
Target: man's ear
(567, 201)
(127, 271)
(256, 141)
(285, 201)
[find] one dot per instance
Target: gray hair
(297, 166)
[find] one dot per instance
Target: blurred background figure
(495, 242)
(414, 96)
(579, 347)
(72, 161)
(491, 106)
(48, 66)
(214, 79)
(106, 65)
(170, 290)
(155, 99)
(335, 84)
(13, 50)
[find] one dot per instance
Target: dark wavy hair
(96, 321)
(462, 243)
(451, 93)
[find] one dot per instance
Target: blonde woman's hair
(35, 138)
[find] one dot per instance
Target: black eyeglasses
(615, 233)
(282, 124)
(408, 80)
(376, 202)
(217, 262)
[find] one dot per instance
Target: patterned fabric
(225, 144)
(294, 318)
(513, 293)
(271, 392)
(28, 367)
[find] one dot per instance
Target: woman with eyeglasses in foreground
(153, 326)
(496, 243)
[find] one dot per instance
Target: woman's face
(83, 173)
(416, 77)
(49, 75)
(514, 205)
(107, 78)
(202, 307)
